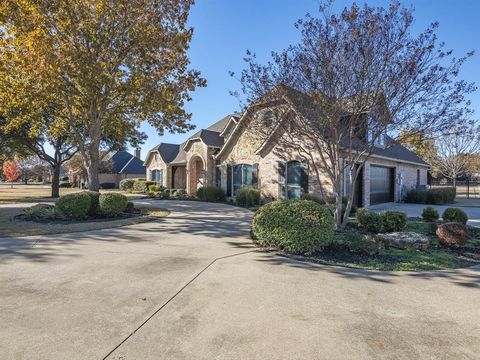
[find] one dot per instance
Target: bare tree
(352, 77)
(451, 154)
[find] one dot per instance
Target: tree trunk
(56, 180)
(92, 172)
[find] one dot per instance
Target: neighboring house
(233, 154)
(121, 165)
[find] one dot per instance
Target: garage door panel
(381, 184)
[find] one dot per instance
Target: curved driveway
(191, 286)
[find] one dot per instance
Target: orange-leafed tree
(11, 171)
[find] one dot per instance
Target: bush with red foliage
(453, 234)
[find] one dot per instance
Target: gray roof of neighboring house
(125, 163)
(394, 150)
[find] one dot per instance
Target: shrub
(431, 196)
(211, 193)
(130, 207)
(126, 184)
(247, 197)
(369, 220)
(429, 214)
(65, 185)
(94, 202)
(181, 193)
(356, 242)
(452, 234)
(64, 178)
(454, 215)
(74, 206)
(107, 185)
(141, 185)
(393, 221)
(155, 188)
(40, 212)
(296, 226)
(113, 204)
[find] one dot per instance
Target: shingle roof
(124, 162)
(394, 150)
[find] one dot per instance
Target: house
(120, 165)
(234, 154)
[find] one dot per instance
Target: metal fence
(468, 189)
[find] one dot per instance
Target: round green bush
(74, 206)
(356, 242)
(94, 202)
(295, 226)
(126, 184)
(211, 194)
(455, 215)
(113, 204)
(429, 214)
(369, 220)
(393, 221)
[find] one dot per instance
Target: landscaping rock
(404, 240)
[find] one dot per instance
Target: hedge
(74, 206)
(113, 204)
(107, 185)
(295, 226)
(94, 202)
(126, 184)
(393, 221)
(210, 193)
(431, 196)
(369, 220)
(247, 197)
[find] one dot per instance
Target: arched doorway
(196, 172)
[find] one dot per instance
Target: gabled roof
(208, 137)
(167, 152)
(123, 162)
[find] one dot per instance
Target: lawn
(38, 193)
(11, 227)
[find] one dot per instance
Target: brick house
(233, 154)
(121, 165)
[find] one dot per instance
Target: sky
(225, 29)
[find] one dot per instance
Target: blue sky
(224, 29)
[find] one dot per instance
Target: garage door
(381, 184)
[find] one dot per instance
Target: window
(296, 179)
(418, 177)
(242, 176)
(157, 176)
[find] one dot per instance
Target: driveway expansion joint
(174, 296)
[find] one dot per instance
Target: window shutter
(255, 175)
(281, 180)
(304, 177)
(229, 180)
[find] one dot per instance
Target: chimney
(137, 152)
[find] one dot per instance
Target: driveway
(471, 208)
(191, 286)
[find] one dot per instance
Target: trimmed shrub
(126, 184)
(393, 221)
(247, 197)
(141, 185)
(295, 226)
(356, 242)
(113, 204)
(454, 215)
(155, 188)
(369, 220)
(74, 206)
(181, 193)
(130, 207)
(453, 234)
(431, 196)
(211, 194)
(429, 214)
(107, 185)
(94, 199)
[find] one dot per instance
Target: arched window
(242, 176)
(157, 176)
(296, 179)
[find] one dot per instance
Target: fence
(468, 189)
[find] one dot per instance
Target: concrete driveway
(190, 286)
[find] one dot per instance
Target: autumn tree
(111, 64)
(351, 77)
(11, 171)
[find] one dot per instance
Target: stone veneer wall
(157, 163)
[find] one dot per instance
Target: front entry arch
(196, 174)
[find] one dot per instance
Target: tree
(11, 171)
(110, 64)
(350, 78)
(452, 154)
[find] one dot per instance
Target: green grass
(436, 257)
